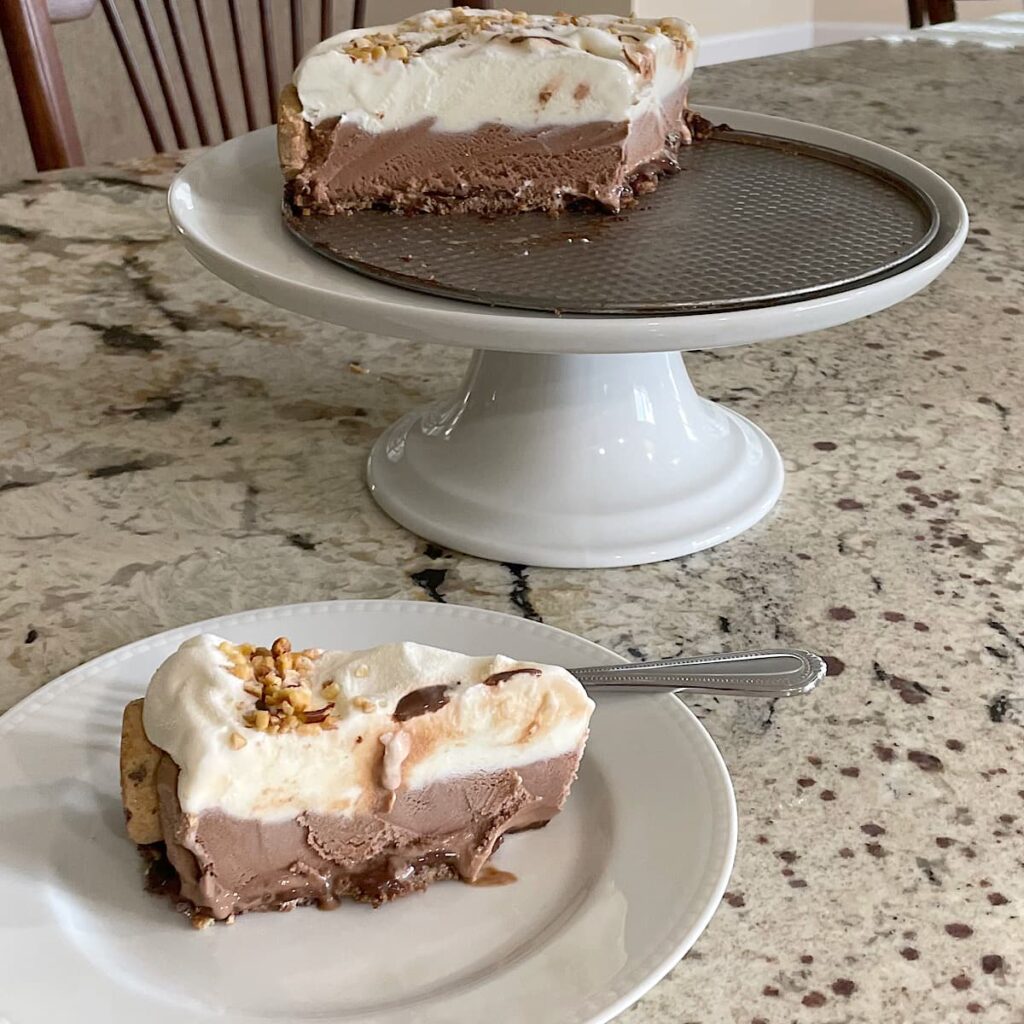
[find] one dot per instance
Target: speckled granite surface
(172, 449)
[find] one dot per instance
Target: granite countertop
(173, 449)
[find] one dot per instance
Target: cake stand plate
(573, 441)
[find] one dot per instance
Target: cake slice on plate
(259, 779)
(487, 111)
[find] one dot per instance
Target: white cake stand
(573, 441)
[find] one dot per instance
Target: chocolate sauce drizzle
(500, 677)
(420, 702)
(433, 698)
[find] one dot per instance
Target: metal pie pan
(750, 220)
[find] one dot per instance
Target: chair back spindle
(243, 65)
(297, 34)
(203, 17)
(180, 48)
(117, 30)
(269, 57)
(163, 73)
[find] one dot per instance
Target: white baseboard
(828, 32)
(729, 46)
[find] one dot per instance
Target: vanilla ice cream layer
(196, 708)
(465, 68)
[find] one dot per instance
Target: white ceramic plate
(610, 895)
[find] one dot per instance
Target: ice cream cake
(261, 778)
(487, 111)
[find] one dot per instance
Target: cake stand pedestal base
(575, 461)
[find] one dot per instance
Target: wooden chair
(28, 34)
(932, 12)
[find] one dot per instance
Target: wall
(111, 125)
(713, 17)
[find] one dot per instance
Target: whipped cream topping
(196, 705)
(461, 68)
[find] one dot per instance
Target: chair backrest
(203, 113)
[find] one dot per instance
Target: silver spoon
(765, 674)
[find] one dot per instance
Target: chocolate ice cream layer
(494, 169)
(227, 865)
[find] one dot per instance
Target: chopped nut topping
(406, 43)
(262, 664)
(300, 698)
(673, 29)
(376, 47)
(281, 682)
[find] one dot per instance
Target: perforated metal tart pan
(750, 220)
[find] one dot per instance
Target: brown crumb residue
(581, 92)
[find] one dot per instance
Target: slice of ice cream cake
(262, 778)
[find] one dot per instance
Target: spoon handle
(765, 674)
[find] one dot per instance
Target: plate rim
(651, 973)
